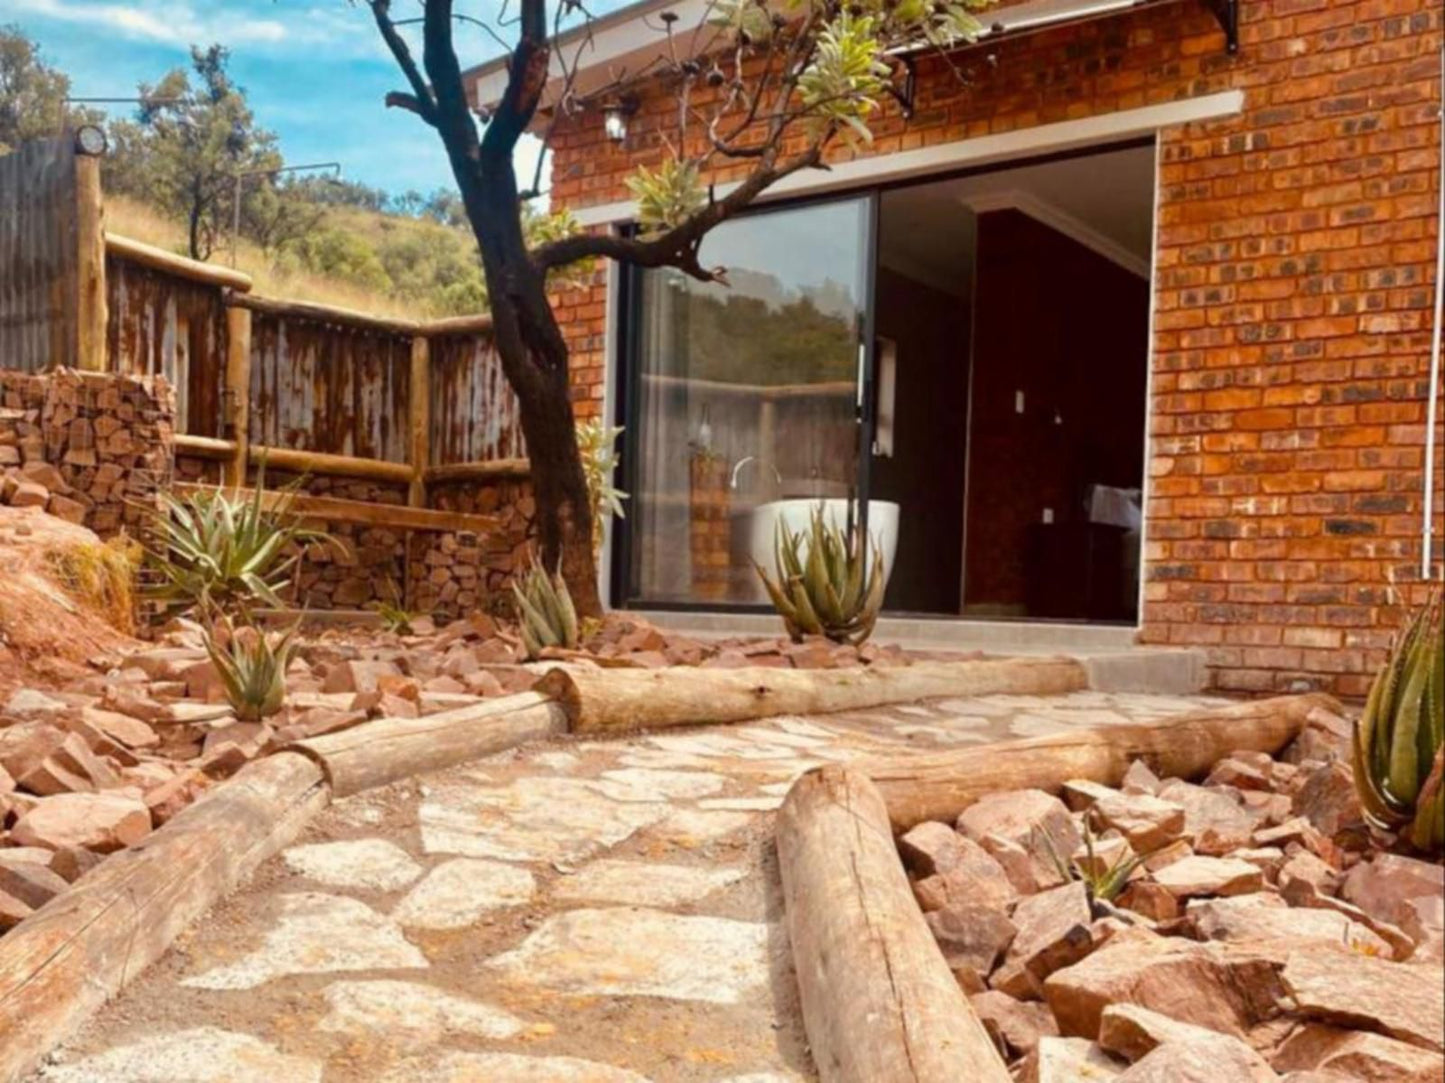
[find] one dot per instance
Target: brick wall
(452, 574)
(1292, 304)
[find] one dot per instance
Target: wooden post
(90, 237)
(238, 391)
(420, 419)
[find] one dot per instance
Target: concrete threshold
(1114, 661)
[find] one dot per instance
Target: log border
(865, 1017)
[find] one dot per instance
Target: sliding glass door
(743, 396)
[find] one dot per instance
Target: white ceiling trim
(966, 153)
(1056, 218)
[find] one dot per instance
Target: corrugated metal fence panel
(164, 324)
(325, 387)
(39, 256)
(473, 409)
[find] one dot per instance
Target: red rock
(1207, 1060)
(1261, 917)
(1403, 1000)
(12, 911)
(1081, 793)
(1135, 1033)
(1200, 875)
(1211, 985)
(1214, 818)
(931, 848)
(103, 822)
(971, 937)
(1356, 1055)
(1139, 779)
(1015, 1025)
(399, 687)
(1053, 932)
(1147, 822)
(25, 745)
(1027, 821)
(1150, 900)
(1385, 887)
(34, 885)
(1234, 771)
(358, 675)
(1068, 1060)
(70, 863)
(1300, 893)
(964, 871)
(1328, 799)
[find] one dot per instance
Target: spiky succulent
(544, 610)
(1105, 881)
(1399, 740)
(830, 580)
(252, 666)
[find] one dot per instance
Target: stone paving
(570, 912)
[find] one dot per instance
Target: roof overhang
(631, 41)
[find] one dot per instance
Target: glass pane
(746, 397)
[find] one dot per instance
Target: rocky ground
(102, 753)
(1265, 934)
(598, 911)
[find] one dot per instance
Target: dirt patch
(47, 635)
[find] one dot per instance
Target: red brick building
(1142, 329)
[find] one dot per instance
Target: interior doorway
(1012, 313)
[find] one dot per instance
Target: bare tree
(770, 88)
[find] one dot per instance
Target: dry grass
(101, 576)
(134, 219)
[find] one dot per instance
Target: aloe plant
(830, 580)
(252, 667)
(597, 444)
(1399, 740)
(545, 610)
(1103, 882)
(225, 550)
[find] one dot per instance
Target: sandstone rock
(1298, 893)
(27, 494)
(974, 878)
(1328, 800)
(1016, 1026)
(1243, 771)
(931, 848)
(1150, 900)
(1207, 1060)
(1262, 917)
(1304, 867)
(1139, 779)
(34, 885)
(358, 676)
(1080, 793)
(1214, 820)
(971, 937)
(1201, 875)
(1210, 985)
(1139, 1035)
(70, 863)
(1015, 823)
(1385, 887)
(1147, 822)
(1403, 1000)
(33, 704)
(1053, 932)
(25, 745)
(1068, 1060)
(103, 822)
(1356, 1055)
(12, 911)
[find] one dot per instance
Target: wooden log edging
(59, 965)
(940, 785)
(377, 753)
(618, 700)
(879, 1003)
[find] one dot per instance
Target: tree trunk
(534, 357)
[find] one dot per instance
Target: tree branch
(526, 79)
(420, 101)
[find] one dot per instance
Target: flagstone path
(569, 912)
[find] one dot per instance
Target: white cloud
(176, 24)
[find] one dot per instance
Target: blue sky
(315, 70)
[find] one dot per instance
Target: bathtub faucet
(737, 468)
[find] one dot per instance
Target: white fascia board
(967, 153)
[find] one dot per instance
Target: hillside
(387, 264)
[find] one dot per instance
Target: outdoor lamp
(90, 140)
(615, 116)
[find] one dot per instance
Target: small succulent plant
(1105, 881)
(1399, 740)
(830, 580)
(544, 610)
(251, 665)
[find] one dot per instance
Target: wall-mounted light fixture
(616, 115)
